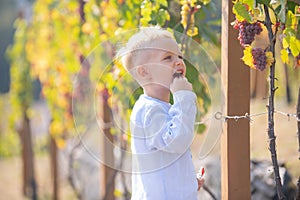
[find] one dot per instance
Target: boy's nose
(178, 62)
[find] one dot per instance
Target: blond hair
(140, 41)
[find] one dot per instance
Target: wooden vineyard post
(54, 168)
(235, 139)
(107, 173)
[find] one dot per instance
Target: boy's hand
(180, 83)
(200, 177)
(200, 183)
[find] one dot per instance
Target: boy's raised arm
(175, 132)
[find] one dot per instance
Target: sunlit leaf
(247, 58)
(294, 46)
(284, 56)
(285, 42)
(270, 59)
(241, 12)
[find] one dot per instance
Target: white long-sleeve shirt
(161, 136)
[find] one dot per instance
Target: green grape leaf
(241, 12)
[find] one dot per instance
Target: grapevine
(258, 58)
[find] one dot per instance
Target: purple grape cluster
(247, 31)
(259, 58)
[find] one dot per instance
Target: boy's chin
(161, 86)
(177, 75)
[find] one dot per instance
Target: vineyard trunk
(54, 169)
(272, 89)
(29, 181)
(106, 173)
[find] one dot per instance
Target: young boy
(161, 133)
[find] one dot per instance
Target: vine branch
(271, 134)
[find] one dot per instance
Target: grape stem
(262, 22)
(271, 132)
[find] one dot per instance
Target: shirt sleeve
(172, 132)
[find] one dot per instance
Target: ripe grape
(259, 58)
(247, 31)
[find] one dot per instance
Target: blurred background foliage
(52, 40)
(62, 53)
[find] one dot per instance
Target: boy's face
(162, 61)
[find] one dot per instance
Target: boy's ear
(142, 72)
